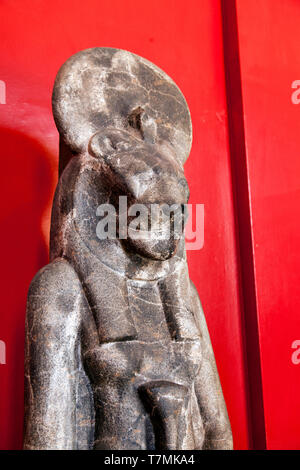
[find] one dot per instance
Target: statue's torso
(145, 337)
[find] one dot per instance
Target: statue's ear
(145, 125)
(141, 128)
(107, 142)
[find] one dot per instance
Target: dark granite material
(118, 355)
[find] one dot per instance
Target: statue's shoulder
(54, 293)
(54, 277)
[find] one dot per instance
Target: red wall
(189, 41)
(270, 63)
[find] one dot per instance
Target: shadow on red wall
(24, 192)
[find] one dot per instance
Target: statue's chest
(147, 311)
(156, 315)
(146, 334)
(127, 309)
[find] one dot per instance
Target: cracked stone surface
(118, 354)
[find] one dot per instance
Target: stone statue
(118, 355)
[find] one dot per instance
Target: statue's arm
(209, 392)
(58, 409)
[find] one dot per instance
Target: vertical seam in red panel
(241, 195)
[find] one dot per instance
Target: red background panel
(269, 33)
(244, 167)
(185, 39)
